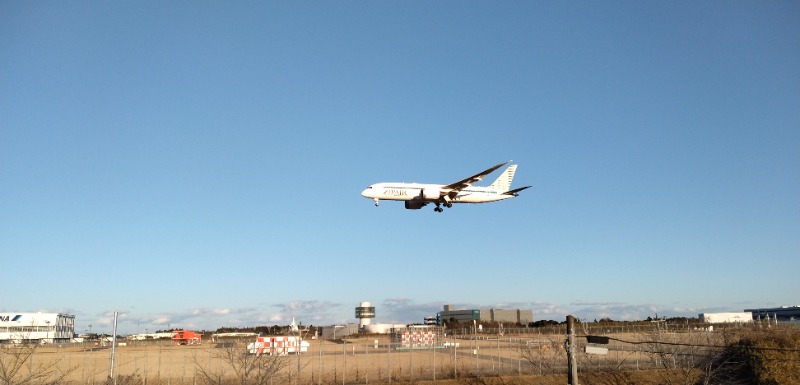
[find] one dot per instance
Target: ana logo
(7, 318)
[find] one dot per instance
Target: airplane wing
(454, 188)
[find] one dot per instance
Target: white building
(721, 318)
(383, 328)
(151, 336)
(36, 327)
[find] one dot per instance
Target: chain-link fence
(379, 358)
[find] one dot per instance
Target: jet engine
(414, 205)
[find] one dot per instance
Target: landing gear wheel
(438, 209)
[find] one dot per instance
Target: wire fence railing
(380, 359)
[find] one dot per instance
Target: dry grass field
(362, 360)
(353, 361)
(641, 358)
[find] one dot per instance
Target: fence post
(572, 376)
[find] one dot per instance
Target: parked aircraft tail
(503, 182)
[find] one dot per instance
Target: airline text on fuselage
(395, 193)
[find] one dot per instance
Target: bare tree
(546, 354)
(600, 369)
(19, 365)
(692, 357)
(246, 368)
(668, 357)
(723, 365)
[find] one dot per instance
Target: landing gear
(377, 202)
(446, 203)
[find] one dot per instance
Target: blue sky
(199, 164)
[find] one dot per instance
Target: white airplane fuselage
(416, 192)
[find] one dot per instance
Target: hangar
(36, 327)
(723, 318)
(778, 314)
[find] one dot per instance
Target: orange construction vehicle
(185, 337)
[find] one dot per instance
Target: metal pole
(475, 342)
(113, 348)
(435, 342)
(455, 359)
(572, 376)
(389, 358)
(344, 363)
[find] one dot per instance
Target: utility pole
(572, 376)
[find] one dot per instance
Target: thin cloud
(405, 310)
(588, 303)
(390, 310)
(304, 311)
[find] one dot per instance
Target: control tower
(364, 312)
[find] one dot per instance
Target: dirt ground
(357, 361)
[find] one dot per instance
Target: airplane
(295, 328)
(417, 195)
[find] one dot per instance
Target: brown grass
(753, 355)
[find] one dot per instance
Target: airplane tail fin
(503, 182)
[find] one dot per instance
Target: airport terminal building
(36, 327)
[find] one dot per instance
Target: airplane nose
(368, 192)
